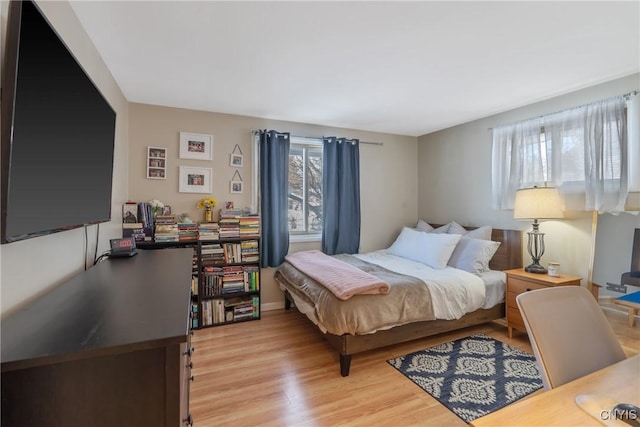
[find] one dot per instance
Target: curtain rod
(626, 96)
(314, 137)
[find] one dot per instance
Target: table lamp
(537, 203)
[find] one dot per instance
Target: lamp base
(536, 268)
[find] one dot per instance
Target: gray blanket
(408, 300)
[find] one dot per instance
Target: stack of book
(242, 308)
(208, 231)
(250, 226)
(232, 279)
(230, 223)
(212, 254)
(187, 232)
(132, 222)
(249, 251)
(166, 228)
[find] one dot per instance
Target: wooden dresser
(519, 281)
(110, 347)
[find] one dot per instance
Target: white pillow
(441, 229)
(455, 228)
(423, 226)
(430, 249)
(473, 255)
(483, 232)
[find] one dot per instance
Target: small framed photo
(196, 146)
(195, 180)
(236, 187)
(236, 160)
(166, 210)
(156, 163)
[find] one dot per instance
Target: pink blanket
(343, 279)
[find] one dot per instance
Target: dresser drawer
(518, 286)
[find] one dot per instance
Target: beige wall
(35, 266)
(388, 173)
(454, 179)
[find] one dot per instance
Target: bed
(306, 294)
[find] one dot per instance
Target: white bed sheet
(495, 284)
(454, 292)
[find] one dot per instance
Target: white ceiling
(407, 68)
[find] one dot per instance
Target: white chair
(569, 333)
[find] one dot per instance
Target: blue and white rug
(472, 376)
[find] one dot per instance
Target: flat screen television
(57, 134)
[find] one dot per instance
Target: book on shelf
(250, 226)
(208, 231)
(130, 214)
(187, 232)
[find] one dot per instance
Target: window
(581, 151)
(305, 187)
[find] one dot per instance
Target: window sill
(300, 238)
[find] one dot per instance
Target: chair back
(569, 333)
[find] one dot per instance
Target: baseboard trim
(270, 306)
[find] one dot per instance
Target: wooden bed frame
(508, 256)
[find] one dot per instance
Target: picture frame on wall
(196, 146)
(236, 187)
(195, 180)
(236, 160)
(156, 163)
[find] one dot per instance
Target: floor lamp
(537, 203)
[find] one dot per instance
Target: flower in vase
(207, 203)
(156, 205)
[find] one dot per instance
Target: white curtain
(516, 160)
(581, 151)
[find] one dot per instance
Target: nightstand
(519, 281)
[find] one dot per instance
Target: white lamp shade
(538, 203)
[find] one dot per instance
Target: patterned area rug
(472, 376)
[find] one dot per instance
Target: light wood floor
(279, 371)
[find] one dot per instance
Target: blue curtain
(341, 196)
(274, 183)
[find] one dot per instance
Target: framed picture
(236, 160)
(156, 163)
(166, 210)
(195, 180)
(195, 146)
(236, 187)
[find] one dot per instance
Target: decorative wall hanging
(236, 158)
(236, 183)
(195, 180)
(196, 146)
(156, 163)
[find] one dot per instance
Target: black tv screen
(57, 163)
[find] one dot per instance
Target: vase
(208, 215)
